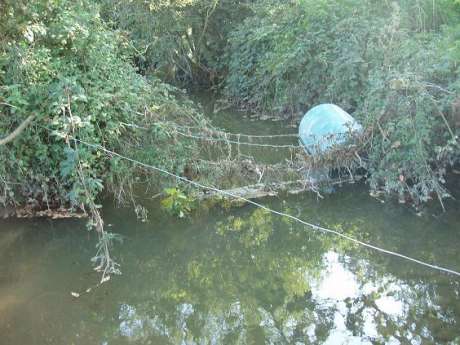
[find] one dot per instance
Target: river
(240, 276)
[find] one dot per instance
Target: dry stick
(445, 121)
(17, 131)
(9, 105)
(99, 222)
(312, 226)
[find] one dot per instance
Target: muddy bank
(28, 212)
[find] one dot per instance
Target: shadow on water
(239, 277)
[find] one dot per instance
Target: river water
(239, 276)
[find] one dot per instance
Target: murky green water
(240, 122)
(237, 277)
(240, 277)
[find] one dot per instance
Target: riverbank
(28, 212)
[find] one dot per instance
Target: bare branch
(17, 131)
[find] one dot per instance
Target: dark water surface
(237, 277)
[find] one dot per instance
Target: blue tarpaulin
(324, 126)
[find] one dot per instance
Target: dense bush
(179, 41)
(92, 70)
(61, 64)
(393, 65)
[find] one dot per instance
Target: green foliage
(393, 65)
(61, 63)
(71, 66)
(180, 41)
(176, 202)
(254, 231)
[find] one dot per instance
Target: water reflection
(338, 310)
(241, 278)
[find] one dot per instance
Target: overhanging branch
(17, 131)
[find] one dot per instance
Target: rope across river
(278, 213)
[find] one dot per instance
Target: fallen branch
(263, 190)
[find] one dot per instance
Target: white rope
(316, 147)
(212, 139)
(325, 138)
(288, 146)
(313, 226)
(219, 132)
(291, 135)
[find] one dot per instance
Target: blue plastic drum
(324, 126)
